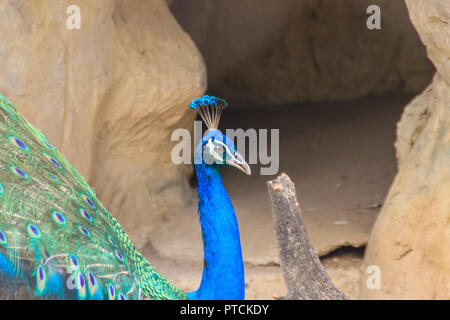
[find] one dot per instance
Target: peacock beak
(239, 162)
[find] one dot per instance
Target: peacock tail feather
(57, 241)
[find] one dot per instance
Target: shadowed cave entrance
(336, 91)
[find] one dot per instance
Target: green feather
(56, 238)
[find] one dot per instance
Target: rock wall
(272, 52)
(107, 95)
(410, 241)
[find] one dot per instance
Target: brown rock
(265, 52)
(410, 241)
(107, 95)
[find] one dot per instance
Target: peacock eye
(219, 149)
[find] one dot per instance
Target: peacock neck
(223, 270)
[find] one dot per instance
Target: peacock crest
(210, 109)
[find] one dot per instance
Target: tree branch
(303, 273)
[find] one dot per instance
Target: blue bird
(223, 269)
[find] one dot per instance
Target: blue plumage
(207, 100)
(7, 269)
(223, 271)
(54, 286)
(223, 268)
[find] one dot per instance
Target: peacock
(57, 240)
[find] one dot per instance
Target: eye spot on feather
(91, 279)
(81, 280)
(81, 286)
(119, 256)
(40, 280)
(85, 214)
(111, 292)
(58, 218)
(92, 283)
(41, 273)
(18, 172)
(52, 160)
(122, 296)
(20, 144)
(33, 231)
(56, 163)
(3, 238)
(84, 231)
(17, 142)
(73, 262)
(88, 201)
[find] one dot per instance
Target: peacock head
(216, 148)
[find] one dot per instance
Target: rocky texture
(107, 95)
(410, 241)
(265, 52)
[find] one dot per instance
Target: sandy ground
(342, 159)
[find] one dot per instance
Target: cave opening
(333, 88)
